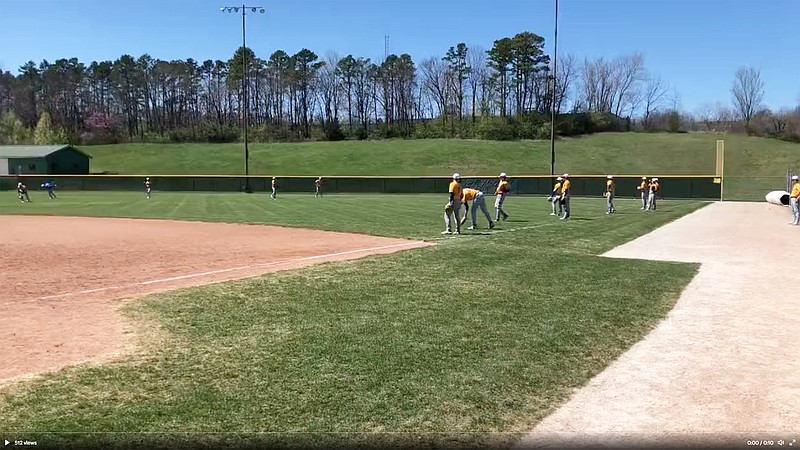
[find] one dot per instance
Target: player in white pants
(453, 206)
(643, 192)
(503, 188)
(651, 197)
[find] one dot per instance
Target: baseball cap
(565, 175)
(456, 176)
(560, 178)
(502, 174)
(795, 177)
(610, 177)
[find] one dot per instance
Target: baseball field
(218, 319)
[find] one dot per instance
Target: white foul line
(232, 269)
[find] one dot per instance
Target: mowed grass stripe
(485, 333)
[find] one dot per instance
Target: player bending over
(22, 192)
(49, 185)
(478, 201)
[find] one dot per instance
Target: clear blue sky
(695, 45)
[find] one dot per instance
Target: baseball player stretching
(793, 199)
(564, 198)
(555, 197)
(503, 188)
(274, 188)
(478, 201)
(610, 195)
(22, 192)
(654, 186)
(148, 187)
(643, 186)
(453, 207)
(318, 187)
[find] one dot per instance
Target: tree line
(506, 92)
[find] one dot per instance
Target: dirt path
(724, 366)
(60, 276)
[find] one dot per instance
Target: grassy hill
(751, 165)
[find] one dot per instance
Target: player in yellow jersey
(653, 187)
(610, 195)
(555, 196)
(565, 195)
(274, 188)
(643, 188)
(503, 188)
(453, 207)
(793, 199)
(478, 201)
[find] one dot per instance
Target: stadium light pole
(245, 86)
(553, 105)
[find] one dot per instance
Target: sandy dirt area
(724, 366)
(63, 277)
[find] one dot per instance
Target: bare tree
(567, 69)
(478, 75)
(627, 72)
(329, 88)
(748, 92)
(434, 79)
(655, 92)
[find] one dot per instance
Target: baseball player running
(642, 188)
(318, 187)
(610, 195)
(503, 188)
(564, 198)
(453, 207)
(49, 185)
(555, 196)
(274, 188)
(22, 192)
(793, 199)
(478, 201)
(654, 186)
(148, 187)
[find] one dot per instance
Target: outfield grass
(485, 332)
(753, 166)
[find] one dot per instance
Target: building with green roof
(42, 160)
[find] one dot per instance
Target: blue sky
(695, 45)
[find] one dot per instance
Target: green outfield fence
(673, 186)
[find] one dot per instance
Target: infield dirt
(64, 277)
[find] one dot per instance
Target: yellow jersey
(502, 188)
(654, 186)
(643, 185)
(455, 189)
(565, 186)
(796, 190)
(610, 186)
(557, 188)
(469, 194)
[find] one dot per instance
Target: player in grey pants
(478, 201)
(565, 188)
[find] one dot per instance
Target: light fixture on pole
(245, 87)
(553, 103)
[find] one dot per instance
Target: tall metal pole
(245, 86)
(553, 105)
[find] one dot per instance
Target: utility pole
(553, 105)
(245, 86)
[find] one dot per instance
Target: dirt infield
(61, 275)
(723, 367)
